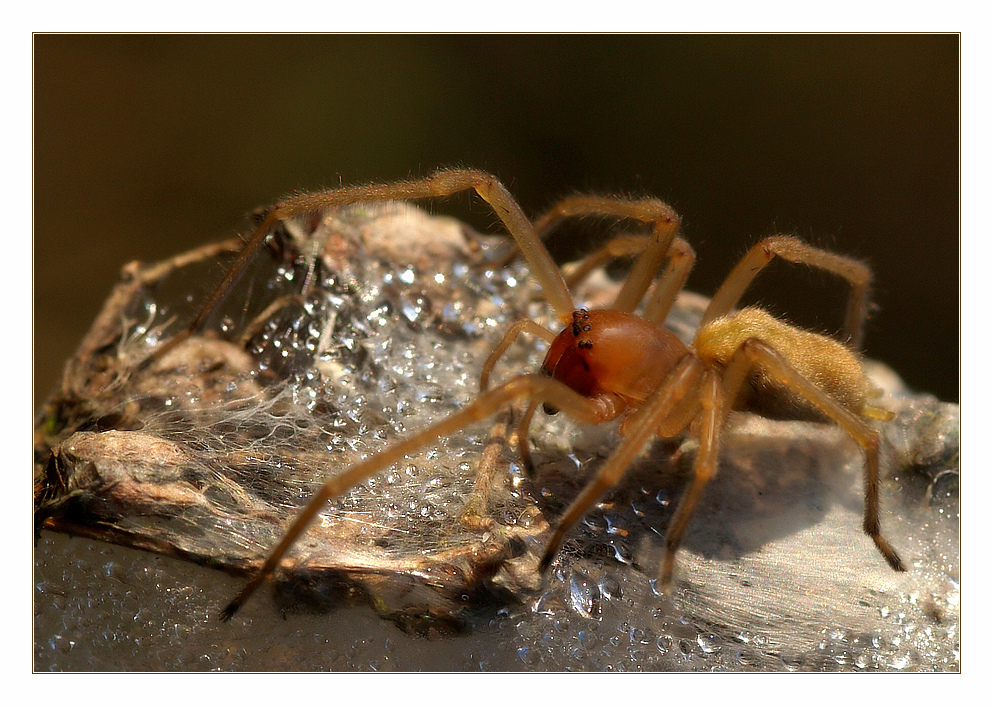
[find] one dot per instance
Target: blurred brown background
(148, 145)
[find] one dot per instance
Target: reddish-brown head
(613, 352)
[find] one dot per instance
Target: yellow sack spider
(608, 364)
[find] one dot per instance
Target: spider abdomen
(822, 360)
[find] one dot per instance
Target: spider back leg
(754, 354)
(793, 249)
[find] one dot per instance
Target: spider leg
(537, 388)
(704, 467)
(523, 326)
(671, 282)
(523, 431)
(439, 184)
(613, 249)
(474, 514)
(676, 387)
(647, 210)
(679, 261)
(253, 327)
(792, 249)
(753, 354)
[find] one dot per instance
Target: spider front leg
(513, 333)
(643, 426)
(537, 388)
(439, 184)
(792, 249)
(679, 261)
(665, 222)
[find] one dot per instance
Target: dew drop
(584, 595)
(528, 656)
(708, 643)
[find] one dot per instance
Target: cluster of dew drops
(368, 359)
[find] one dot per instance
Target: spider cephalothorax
(614, 357)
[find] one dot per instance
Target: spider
(613, 364)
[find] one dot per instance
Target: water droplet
(659, 590)
(708, 643)
(664, 643)
(529, 656)
(614, 526)
(792, 662)
(583, 595)
(610, 587)
(900, 661)
(637, 636)
(621, 553)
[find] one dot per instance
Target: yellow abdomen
(825, 362)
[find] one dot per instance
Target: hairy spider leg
(668, 285)
(534, 387)
(712, 416)
(671, 282)
(474, 512)
(440, 184)
(523, 326)
(794, 250)
(523, 445)
(645, 424)
(618, 247)
(665, 223)
(753, 354)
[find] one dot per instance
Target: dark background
(146, 146)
